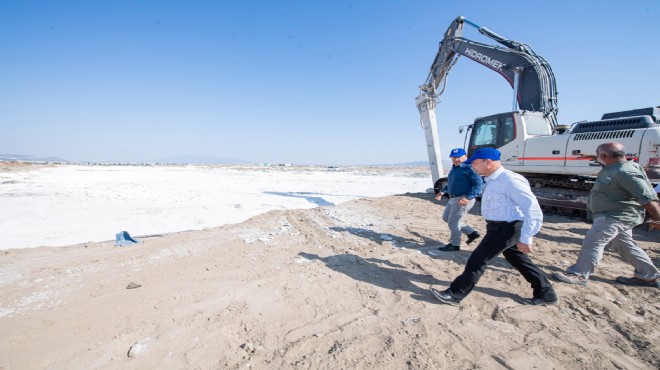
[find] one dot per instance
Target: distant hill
(445, 163)
(196, 159)
(29, 158)
(411, 164)
(188, 159)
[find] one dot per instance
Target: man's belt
(455, 196)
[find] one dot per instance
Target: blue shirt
(508, 197)
(462, 180)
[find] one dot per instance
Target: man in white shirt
(513, 216)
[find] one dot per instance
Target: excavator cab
(492, 132)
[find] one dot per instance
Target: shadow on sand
(388, 275)
(304, 195)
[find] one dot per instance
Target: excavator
(558, 160)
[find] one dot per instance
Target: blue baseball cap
(458, 152)
(484, 153)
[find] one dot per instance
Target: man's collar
(614, 164)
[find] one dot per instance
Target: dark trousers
(501, 237)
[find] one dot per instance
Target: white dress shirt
(508, 197)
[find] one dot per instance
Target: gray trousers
(618, 235)
(453, 216)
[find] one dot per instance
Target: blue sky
(304, 82)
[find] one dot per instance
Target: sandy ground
(324, 288)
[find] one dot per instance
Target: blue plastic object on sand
(123, 239)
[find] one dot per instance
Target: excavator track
(559, 195)
(574, 208)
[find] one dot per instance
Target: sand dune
(317, 288)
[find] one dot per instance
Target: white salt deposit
(65, 205)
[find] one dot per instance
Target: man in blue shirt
(513, 216)
(463, 185)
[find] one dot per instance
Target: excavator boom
(530, 76)
(528, 73)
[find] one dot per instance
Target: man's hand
(463, 201)
(653, 210)
(525, 248)
(439, 196)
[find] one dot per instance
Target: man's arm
(653, 209)
(477, 184)
(641, 189)
(522, 195)
(638, 186)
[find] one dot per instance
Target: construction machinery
(558, 160)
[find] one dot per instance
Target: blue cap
(458, 152)
(484, 153)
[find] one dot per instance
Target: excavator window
(538, 127)
(493, 132)
(484, 133)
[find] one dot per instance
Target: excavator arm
(529, 75)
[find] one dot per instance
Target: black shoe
(445, 297)
(473, 236)
(449, 248)
(539, 301)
